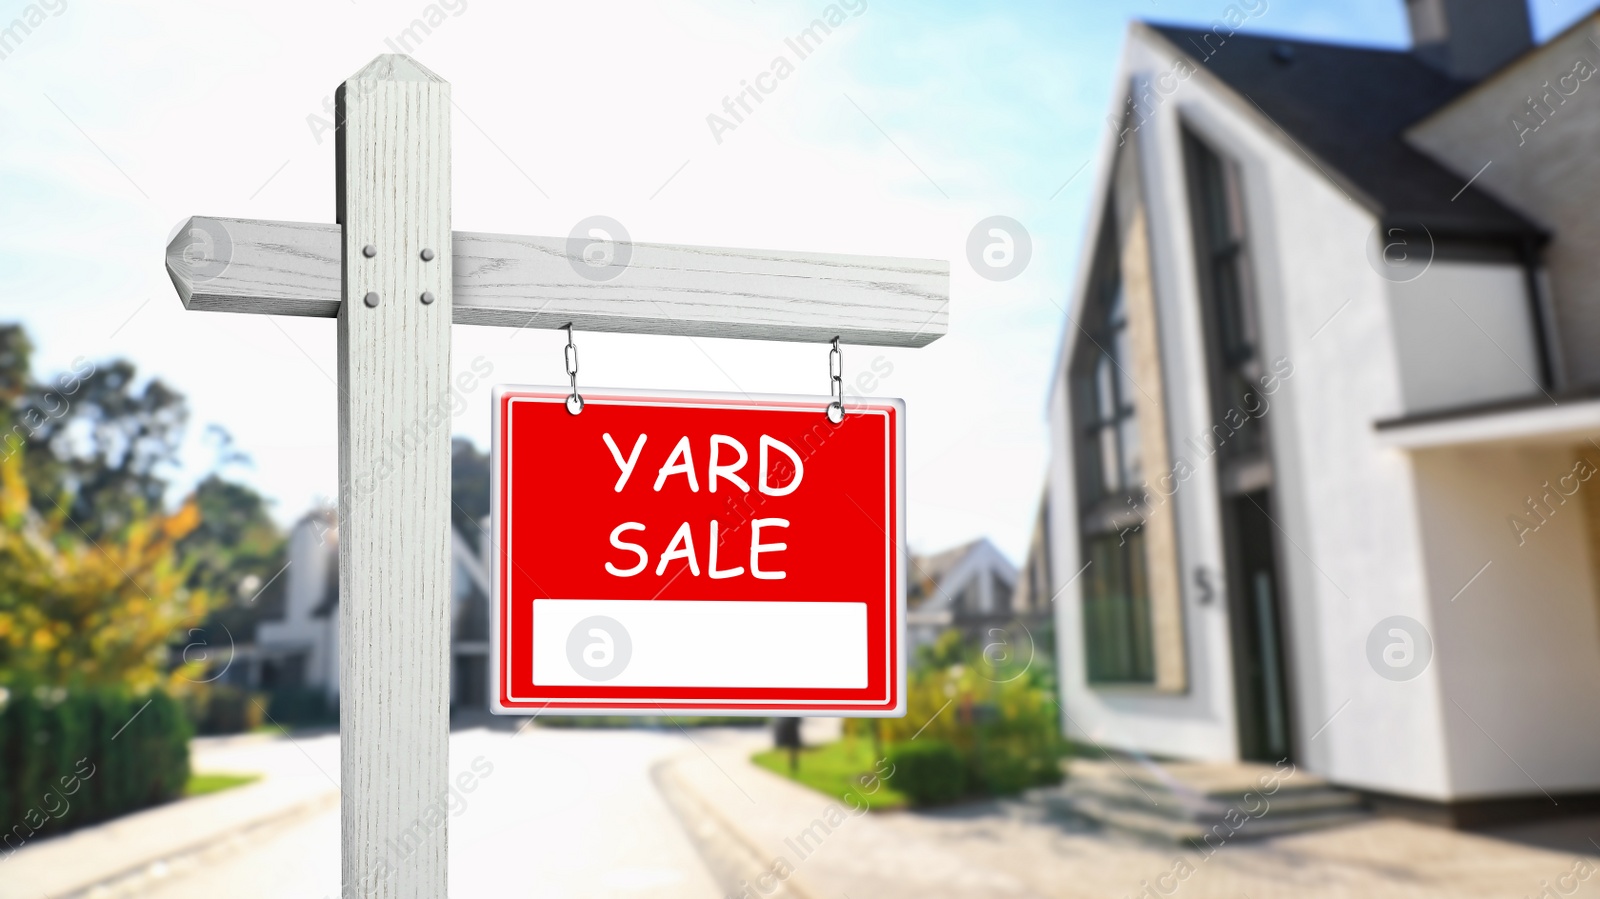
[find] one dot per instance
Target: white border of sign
(817, 709)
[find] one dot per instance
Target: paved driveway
(799, 843)
(563, 813)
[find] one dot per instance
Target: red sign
(697, 553)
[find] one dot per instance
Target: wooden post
(393, 161)
(393, 153)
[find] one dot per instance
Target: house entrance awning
(1540, 420)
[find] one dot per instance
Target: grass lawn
(202, 784)
(835, 769)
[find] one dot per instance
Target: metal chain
(836, 383)
(574, 402)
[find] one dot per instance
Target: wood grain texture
(394, 480)
(288, 268)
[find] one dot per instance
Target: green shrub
(225, 709)
(930, 772)
(1011, 767)
(73, 757)
(1004, 723)
(300, 706)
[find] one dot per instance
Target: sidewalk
(125, 855)
(789, 835)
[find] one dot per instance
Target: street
(560, 813)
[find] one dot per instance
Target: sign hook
(574, 402)
(836, 383)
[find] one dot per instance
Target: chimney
(1468, 39)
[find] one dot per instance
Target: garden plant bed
(837, 769)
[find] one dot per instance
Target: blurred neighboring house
(970, 587)
(301, 650)
(1034, 594)
(1326, 413)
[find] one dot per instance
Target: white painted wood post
(393, 155)
(393, 162)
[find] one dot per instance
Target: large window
(1217, 206)
(1116, 610)
(1112, 426)
(1116, 601)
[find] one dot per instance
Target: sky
(909, 125)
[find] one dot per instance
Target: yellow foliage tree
(75, 611)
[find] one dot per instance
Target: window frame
(1226, 283)
(1119, 644)
(1118, 640)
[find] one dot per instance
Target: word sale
(680, 462)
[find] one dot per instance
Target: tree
(82, 611)
(111, 443)
(236, 553)
(234, 539)
(16, 353)
(95, 578)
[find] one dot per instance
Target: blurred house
(1326, 413)
(1034, 592)
(300, 651)
(971, 588)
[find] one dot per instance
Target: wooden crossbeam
(290, 268)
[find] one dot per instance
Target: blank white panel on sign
(690, 643)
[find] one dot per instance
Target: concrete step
(1234, 826)
(1197, 802)
(1195, 806)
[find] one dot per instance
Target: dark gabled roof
(1347, 107)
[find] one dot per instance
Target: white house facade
(1325, 415)
(301, 650)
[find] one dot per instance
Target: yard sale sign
(696, 553)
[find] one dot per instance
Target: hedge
(931, 772)
(224, 709)
(227, 709)
(75, 757)
(301, 707)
